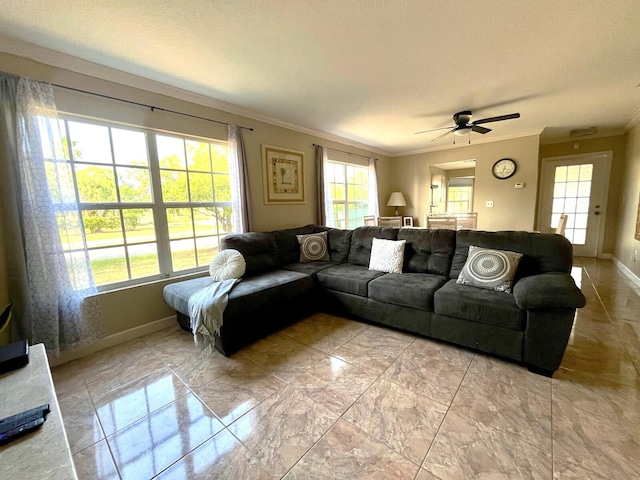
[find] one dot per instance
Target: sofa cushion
(177, 294)
(313, 247)
(428, 251)
(542, 252)
(362, 239)
(479, 305)
(348, 278)
(260, 250)
(339, 244)
(489, 268)
(413, 290)
(387, 255)
(288, 246)
(309, 268)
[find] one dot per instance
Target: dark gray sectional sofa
(531, 326)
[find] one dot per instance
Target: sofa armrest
(548, 290)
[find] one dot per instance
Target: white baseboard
(628, 273)
(115, 339)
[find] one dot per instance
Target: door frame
(608, 156)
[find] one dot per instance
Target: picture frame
(638, 222)
(283, 172)
(407, 221)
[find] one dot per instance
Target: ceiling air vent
(583, 132)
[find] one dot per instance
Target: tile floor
(334, 398)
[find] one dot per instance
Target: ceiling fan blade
(497, 119)
(479, 129)
(432, 130)
(443, 135)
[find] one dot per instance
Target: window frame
(156, 205)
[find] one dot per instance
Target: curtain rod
(148, 106)
(343, 151)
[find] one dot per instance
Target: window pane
(584, 190)
(60, 182)
(586, 171)
(219, 158)
(559, 189)
(183, 255)
(96, 184)
(139, 226)
(70, 231)
(198, 156)
(170, 152)
(108, 265)
(179, 221)
(134, 184)
(573, 173)
(174, 186)
(581, 220)
(222, 185)
(569, 205)
(143, 260)
(224, 216)
(206, 248)
(561, 174)
(558, 205)
(205, 221)
(53, 139)
(102, 228)
(572, 189)
(200, 186)
(130, 147)
(90, 143)
(582, 205)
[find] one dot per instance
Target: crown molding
(481, 141)
(77, 65)
(633, 122)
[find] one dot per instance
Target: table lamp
(396, 200)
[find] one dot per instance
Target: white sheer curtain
(238, 172)
(324, 175)
(61, 310)
(373, 206)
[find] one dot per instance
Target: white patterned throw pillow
(490, 269)
(226, 265)
(313, 247)
(387, 255)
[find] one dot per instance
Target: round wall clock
(504, 168)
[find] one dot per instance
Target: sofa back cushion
(339, 244)
(362, 239)
(428, 251)
(260, 250)
(542, 252)
(288, 246)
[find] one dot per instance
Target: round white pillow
(226, 265)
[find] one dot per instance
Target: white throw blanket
(206, 307)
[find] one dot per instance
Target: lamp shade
(396, 200)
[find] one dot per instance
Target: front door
(576, 185)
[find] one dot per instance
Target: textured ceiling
(371, 71)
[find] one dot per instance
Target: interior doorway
(576, 185)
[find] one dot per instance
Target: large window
(349, 186)
(151, 204)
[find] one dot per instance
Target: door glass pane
(571, 192)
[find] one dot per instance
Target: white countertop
(44, 453)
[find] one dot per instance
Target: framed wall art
(283, 171)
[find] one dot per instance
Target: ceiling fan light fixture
(462, 131)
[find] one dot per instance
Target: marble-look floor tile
(374, 349)
(445, 352)
(510, 409)
(67, 378)
(401, 419)
(125, 405)
(425, 475)
(334, 383)
(620, 369)
(324, 332)
(596, 443)
(232, 395)
(287, 358)
(426, 376)
(80, 420)
(221, 457)
(563, 470)
(282, 428)
(465, 448)
(346, 453)
(116, 366)
(147, 447)
(510, 373)
(617, 402)
(95, 463)
(164, 335)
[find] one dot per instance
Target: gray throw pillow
(490, 269)
(313, 247)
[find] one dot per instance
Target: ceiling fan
(463, 127)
